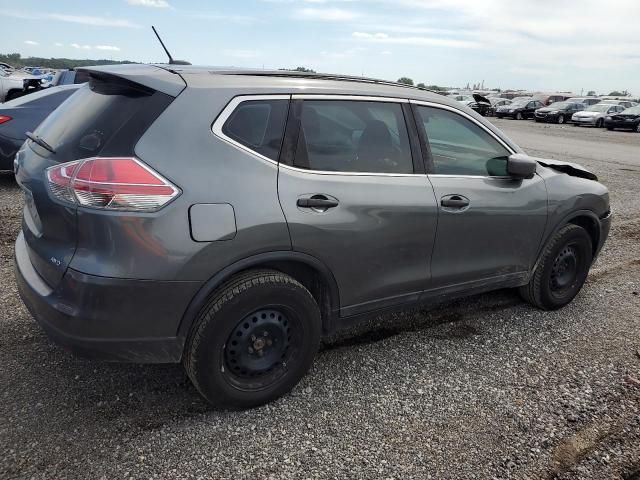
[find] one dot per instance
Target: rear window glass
(258, 125)
(83, 126)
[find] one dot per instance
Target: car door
(490, 225)
(355, 196)
(529, 109)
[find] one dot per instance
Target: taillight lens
(4, 118)
(111, 183)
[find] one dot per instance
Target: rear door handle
(320, 202)
(454, 201)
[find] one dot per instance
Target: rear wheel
(638, 128)
(599, 123)
(254, 340)
(562, 269)
(13, 94)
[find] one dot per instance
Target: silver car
(594, 115)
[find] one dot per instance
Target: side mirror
(520, 165)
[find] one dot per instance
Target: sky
(568, 45)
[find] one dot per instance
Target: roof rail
(329, 76)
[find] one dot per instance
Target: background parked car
(558, 112)
(482, 105)
(549, 98)
(628, 119)
(519, 109)
(69, 77)
(10, 86)
(23, 115)
(595, 114)
(587, 101)
(624, 103)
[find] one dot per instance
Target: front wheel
(638, 128)
(519, 116)
(560, 119)
(562, 269)
(599, 123)
(254, 340)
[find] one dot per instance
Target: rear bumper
(8, 150)
(106, 318)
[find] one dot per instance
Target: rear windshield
(82, 126)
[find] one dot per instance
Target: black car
(519, 109)
(559, 112)
(481, 105)
(23, 115)
(628, 119)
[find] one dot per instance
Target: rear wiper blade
(34, 138)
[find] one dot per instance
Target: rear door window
(353, 136)
(258, 125)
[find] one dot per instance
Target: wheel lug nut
(265, 334)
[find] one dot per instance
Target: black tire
(519, 116)
(599, 123)
(237, 314)
(13, 94)
(562, 269)
(560, 119)
(638, 128)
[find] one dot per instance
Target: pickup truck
(13, 86)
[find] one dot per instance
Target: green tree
(421, 85)
(405, 80)
(591, 93)
(616, 93)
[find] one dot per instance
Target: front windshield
(519, 103)
(560, 105)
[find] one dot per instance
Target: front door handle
(454, 201)
(319, 202)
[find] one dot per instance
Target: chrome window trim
(222, 118)
(347, 97)
(351, 174)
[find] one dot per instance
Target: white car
(594, 115)
(11, 86)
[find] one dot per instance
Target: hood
(550, 108)
(480, 99)
(588, 114)
(572, 169)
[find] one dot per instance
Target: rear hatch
(106, 117)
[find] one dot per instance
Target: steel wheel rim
(564, 271)
(561, 119)
(260, 347)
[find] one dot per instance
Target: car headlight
(555, 112)
(607, 117)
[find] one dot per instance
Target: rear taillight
(111, 183)
(4, 118)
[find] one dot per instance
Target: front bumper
(106, 318)
(622, 124)
(584, 120)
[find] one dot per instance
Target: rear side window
(353, 136)
(106, 116)
(459, 146)
(258, 125)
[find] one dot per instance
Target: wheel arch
(583, 218)
(306, 269)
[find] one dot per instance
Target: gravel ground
(482, 388)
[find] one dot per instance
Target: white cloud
(110, 48)
(149, 3)
(385, 52)
(81, 19)
(31, 42)
(80, 47)
(419, 41)
(326, 14)
(58, 44)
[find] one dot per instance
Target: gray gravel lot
(482, 388)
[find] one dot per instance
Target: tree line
(17, 61)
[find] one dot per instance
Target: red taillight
(111, 183)
(4, 118)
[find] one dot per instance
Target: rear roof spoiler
(149, 76)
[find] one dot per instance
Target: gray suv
(230, 219)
